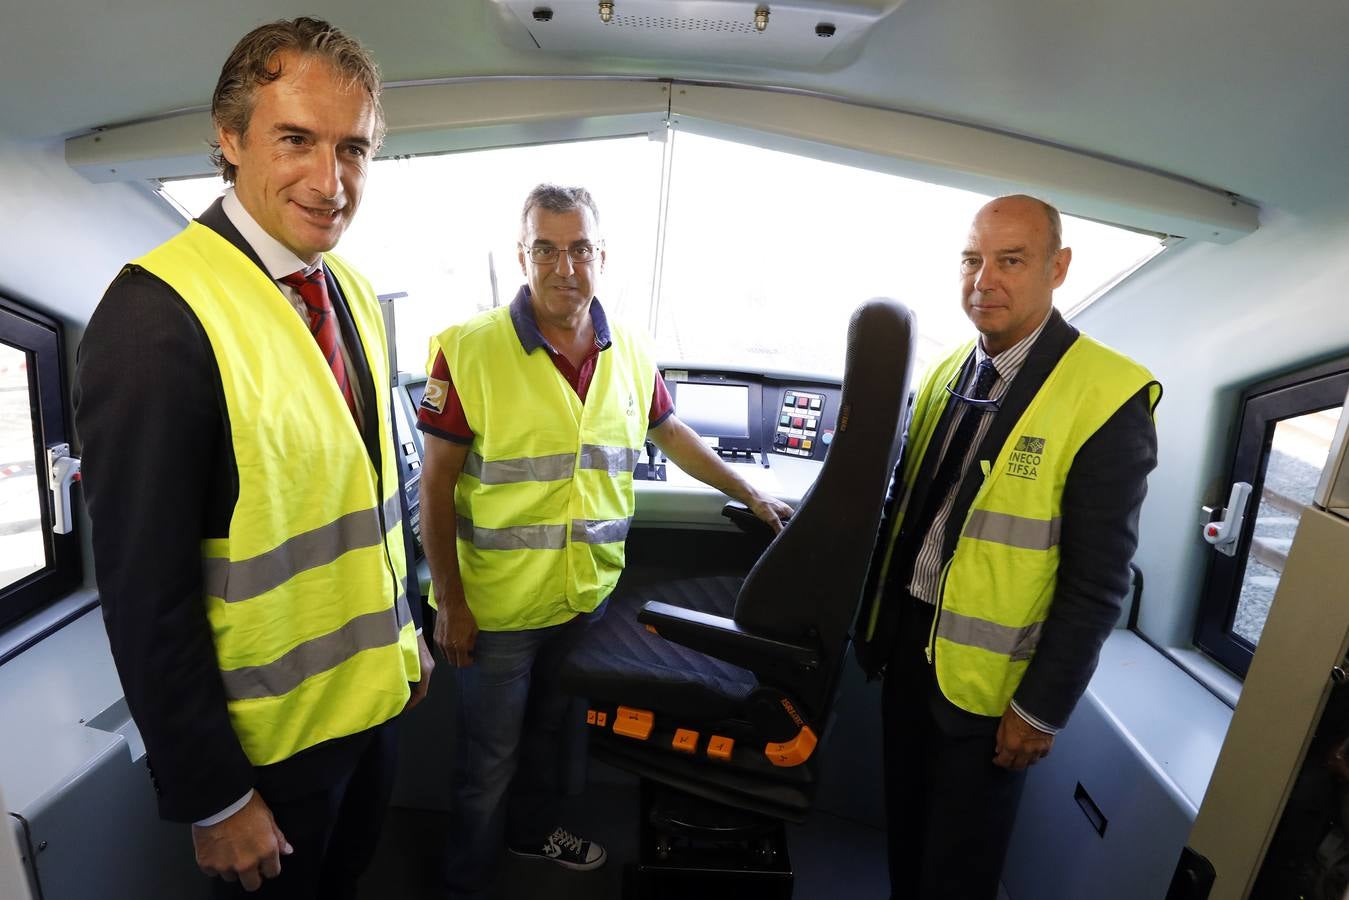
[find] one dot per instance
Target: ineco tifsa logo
(434, 398)
(1024, 461)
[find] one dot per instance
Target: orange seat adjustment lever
(685, 741)
(794, 752)
(634, 723)
(719, 747)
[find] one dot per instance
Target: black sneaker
(567, 849)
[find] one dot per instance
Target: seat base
(690, 847)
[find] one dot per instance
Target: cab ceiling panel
(424, 118)
(790, 35)
(429, 118)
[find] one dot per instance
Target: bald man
(1003, 558)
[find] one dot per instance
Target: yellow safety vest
(545, 498)
(997, 588)
(306, 596)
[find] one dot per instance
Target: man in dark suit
(247, 538)
(1003, 557)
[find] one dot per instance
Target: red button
(802, 402)
(793, 442)
(798, 422)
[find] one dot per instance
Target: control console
(750, 417)
(798, 429)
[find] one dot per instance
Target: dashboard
(775, 428)
(743, 414)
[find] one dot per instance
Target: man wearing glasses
(1004, 554)
(534, 418)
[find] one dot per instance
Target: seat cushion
(620, 662)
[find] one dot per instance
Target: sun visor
(791, 35)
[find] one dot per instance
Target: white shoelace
(564, 838)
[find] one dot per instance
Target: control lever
(650, 470)
(747, 521)
(1224, 530)
(62, 471)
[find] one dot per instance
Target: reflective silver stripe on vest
(400, 607)
(612, 459)
(1015, 643)
(244, 579)
(317, 655)
(599, 531)
(518, 537)
(1014, 531)
(526, 468)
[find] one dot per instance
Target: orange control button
(602, 719)
(590, 716)
(633, 723)
(719, 747)
(685, 741)
(652, 629)
(793, 752)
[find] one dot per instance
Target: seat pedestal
(691, 847)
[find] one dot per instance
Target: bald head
(1011, 265)
(1024, 205)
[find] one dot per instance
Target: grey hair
(557, 199)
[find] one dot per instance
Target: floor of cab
(833, 858)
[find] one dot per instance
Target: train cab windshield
(729, 254)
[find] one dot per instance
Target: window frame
(42, 339)
(1261, 407)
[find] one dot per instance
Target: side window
(1283, 441)
(38, 561)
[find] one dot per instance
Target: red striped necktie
(313, 289)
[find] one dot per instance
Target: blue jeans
(506, 766)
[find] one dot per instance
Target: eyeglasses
(981, 405)
(547, 254)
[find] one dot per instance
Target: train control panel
(755, 417)
(774, 427)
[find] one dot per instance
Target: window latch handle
(1224, 530)
(62, 471)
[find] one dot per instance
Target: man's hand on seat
(770, 510)
(683, 447)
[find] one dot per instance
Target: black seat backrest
(808, 583)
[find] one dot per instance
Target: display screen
(714, 410)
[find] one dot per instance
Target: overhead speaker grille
(666, 23)
(664, 35)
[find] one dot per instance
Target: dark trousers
(334, 829)
(949, 809)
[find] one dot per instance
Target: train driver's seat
(717, 691)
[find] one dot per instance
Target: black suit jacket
(158, 477)
(1102, 496)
